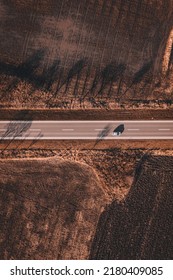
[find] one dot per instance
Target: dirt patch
(49, 209)
(116, 173)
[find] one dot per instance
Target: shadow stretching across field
(55, 79)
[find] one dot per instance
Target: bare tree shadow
(14, 130)
(35, 140)
(138, 77)
(103, 80)
(103, 133)
(50, 75)
(74, 71)
(26, 71)
(110, 74)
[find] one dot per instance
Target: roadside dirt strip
(88, 114)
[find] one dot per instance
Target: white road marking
(76, 133)
(133, 129)
(99, 129)
(166, 129)
(34, 129)
(67, 129)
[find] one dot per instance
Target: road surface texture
(95, 130)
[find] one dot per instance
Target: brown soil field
(86, 60)
(141, 226)
(58, 54)
(71, 206)
(48, 209)
(116, 172)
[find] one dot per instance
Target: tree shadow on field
(26, 71)
(140, 227)
(50, 75)
(73, 72)
(110, 74)
(144, 74)
(57, 75)
(104, 79)
(33, 72)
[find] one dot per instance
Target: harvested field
(122, 210)
(71, 54)
(141, 226)
(48, 209)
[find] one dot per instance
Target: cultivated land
(86, 60)
(48, 214)
(56, 215)
(141, 226)
(86, 54)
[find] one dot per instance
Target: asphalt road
(85, 130)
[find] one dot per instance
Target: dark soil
(93, 114)
(140, 227)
